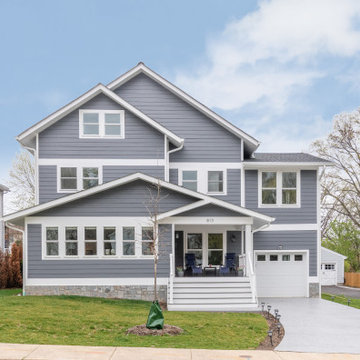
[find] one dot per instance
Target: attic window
(102, 124)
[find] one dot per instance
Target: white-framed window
(298, 257)
(71, 241)
(68, 178)
(76, 178)
(273, 257)
(110, 241)
(286, 257)
(215, 181)
(102, 124)
(261, 257)
(128, 247)
(190, 179)
(52, 241)
(147, 234)
(279, 188)
(90, 240)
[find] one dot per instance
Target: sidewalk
(54, 352)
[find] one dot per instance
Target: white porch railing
(171, 280)
(252, 277)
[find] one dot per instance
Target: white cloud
(272, 52)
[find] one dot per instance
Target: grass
(10, 292)
(341, 299)
(72, 320)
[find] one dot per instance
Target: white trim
(187, 98)
(333, 252)
(96, 90)
(182, 209)
(37, 170)
(25, 256)
(79, 177)
(291, 227)
(207, 165)
(102, 162)
(210, 220)
(101, 124)
(94, 281)
(129, 179)
(296, 165)
(242, 187)
(166, 159)
(279, 188)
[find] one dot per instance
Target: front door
(179, 249)
(215, 249)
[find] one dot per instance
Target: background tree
(22, 182)
(341, 182)
(344, 238)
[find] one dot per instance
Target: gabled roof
(203, 199)
(333, 252)
(4, 188)
(26, 136)
(250, 142)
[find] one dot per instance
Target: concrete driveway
(316, 325)
(349, 292)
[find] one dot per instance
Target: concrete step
(211, 285)
(245, 307)
(209, 290)
(236, 295)
(213, 301)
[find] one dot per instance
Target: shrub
(347, 266)
(11, 267)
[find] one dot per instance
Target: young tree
(22, 181)
(341, 182)
(344, 238)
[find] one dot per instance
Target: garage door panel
(281, 278)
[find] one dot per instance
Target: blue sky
(278, 69)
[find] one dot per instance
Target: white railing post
(252, 277)
(171, 280)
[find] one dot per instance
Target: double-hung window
(90, 240)
(215, 182)
(90, 176)
(147, 235)
(109, 241)
(71, 241)
(102, 123)
(68, 178)
(190, 179)
(279, 188)
(52, 241)
(128, 240)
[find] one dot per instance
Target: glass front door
(215, 249)
(195, 246)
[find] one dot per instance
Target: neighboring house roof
(333, 252)
(249, 142)
(286, 158)
(4, 188)
(203, 199)
(28, 135)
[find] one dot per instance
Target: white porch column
(249, 246)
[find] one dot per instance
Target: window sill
(216, 193)
(101, 137)
(264, 206)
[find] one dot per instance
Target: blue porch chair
(230, 264)
(190, 263)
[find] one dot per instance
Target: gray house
(223, 205)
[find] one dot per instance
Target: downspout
(171, 152)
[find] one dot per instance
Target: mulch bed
(142, 330)
(276, 335)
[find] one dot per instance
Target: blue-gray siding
(125, 200)
(204, 139)
(61, 140)
(102, 268)
(289, 240)
(48, 184)
(173, 176)
(306, 214)
(210, 210)
(115, 172)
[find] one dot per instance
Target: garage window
(329, 266)
(261, 258)
(273, 258)
(286, 257)
(298, 257)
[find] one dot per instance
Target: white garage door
(328, 274)
(281, 274)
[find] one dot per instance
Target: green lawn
(10, 292)
(75, 320)
(342, 300)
